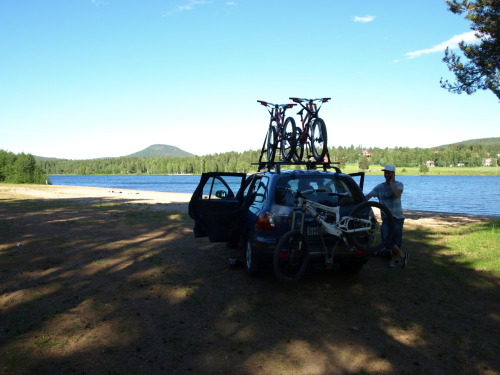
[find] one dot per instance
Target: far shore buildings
(487, 162)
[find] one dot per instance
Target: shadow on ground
(102, 287)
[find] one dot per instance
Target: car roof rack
(310, 165)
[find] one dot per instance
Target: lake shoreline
(178, 201)
(493, 172)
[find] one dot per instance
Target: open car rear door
(360, 176)
(215, 206)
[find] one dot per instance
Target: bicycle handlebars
(267, 104)
(312, 108)
(303, 193)
(299, 100)
(312, 191)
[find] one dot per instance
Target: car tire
(251, 261)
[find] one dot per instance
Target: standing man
(389, 194)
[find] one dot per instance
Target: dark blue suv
(256, 210)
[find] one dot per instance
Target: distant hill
(485, 142)
(158, 151)
(43, 158)
(153, 151)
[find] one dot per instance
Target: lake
(456, 194)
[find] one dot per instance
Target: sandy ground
(172, 201)
(92, 287)
(178, 201)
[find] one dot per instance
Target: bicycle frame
(277, 113)
(312, 111)
(338, 227)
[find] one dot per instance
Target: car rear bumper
(264, 247)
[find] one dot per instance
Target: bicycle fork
(302, 220)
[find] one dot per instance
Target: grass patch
(45, 342)
(434, 171)
(475, 246)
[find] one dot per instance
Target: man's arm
(397, 192)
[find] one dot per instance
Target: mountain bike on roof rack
(281, 132)
(313, 135)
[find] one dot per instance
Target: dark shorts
(397, 238)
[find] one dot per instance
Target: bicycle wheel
(291, 257)
(288, 139)
(319, 140)
(299, 146)
(367, 218)
(271, 142)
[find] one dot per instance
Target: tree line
(456, 155)
(20, 169)
(25, 168)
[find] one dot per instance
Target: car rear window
(335, 183)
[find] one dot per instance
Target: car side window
(260, 188)
(217, 188)
(257, 190)
(248, 188)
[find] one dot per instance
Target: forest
(20, 169)
(462, 154)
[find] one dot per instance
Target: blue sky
(83, 79)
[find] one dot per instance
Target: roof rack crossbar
(309, 165)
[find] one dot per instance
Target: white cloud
(452, 43)
(190, 5)
(231, 3)
(364, 19)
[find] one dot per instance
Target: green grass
(477, 246)
(434, 171)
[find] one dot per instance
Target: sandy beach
(173, 201)
(179, 201)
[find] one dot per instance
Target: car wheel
(251, 263)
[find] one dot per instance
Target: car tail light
(360, 253)
(265, 221)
